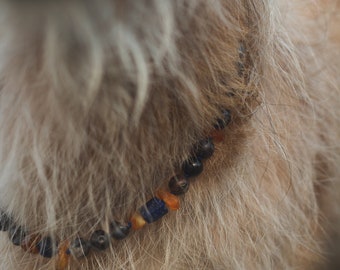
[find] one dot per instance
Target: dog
(103, 102)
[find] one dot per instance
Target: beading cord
(151, 211)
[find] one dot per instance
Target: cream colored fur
(101, 101)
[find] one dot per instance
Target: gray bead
(119, 231)
(16, 234)
(100, 240)
(79, 248)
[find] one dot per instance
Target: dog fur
(101, 102)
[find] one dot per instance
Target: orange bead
(30, 242)
(171, 200)
(63, 256)
(137, 221)
(217, 135)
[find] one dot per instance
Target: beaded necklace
(151, 211)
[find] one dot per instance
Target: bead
(222, 122)
(47, 247)
(192, 167)
(5, 221)
(217, 135)
(119, 231)
(205, 148)
(16, 234)
(171, 201)
(137, 221)
(79, 248)
(178, 185)
(63, 256)
(30, 242)
(153, 210)
(100, 240)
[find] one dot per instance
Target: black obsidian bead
(100, 240)
(205, 148)
(5, 221)
(119, 231)
(178, 185)
(153, 210)
(79, 248)
(225, 119)
(192, 167)
(47, 247)
(16, 235)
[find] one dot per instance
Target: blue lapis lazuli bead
(153, 210)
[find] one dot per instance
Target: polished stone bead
(63, 257)
(79, 248)
(5, 221)
(153, 210)
(100, 240)
(47, 247)
(16, 235)
(205, 148)
(171, 200)
(192, 167)
(30, 242)
(119, 231)
(137, 221)
(178, 185)
(225, 119)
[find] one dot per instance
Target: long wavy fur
(101, 102)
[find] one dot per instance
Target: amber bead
(119, 231)
(47, 247)
(204, 149)
(79, 248)
(217, 135)
(100, 240)
(171, 200)
(16, 234)
(178, 185)
(137, 221)
(225, 119)
(63, 256)
(30, 242)
(192, 167)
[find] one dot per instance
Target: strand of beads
(151, 211)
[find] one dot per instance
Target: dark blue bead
(192, 167)
(79, 248)
(119, 231)
(222, 122)
(5, 221)
(205, 149)
(47, 247)
(16, 235)
(100, 240)
(153, 210)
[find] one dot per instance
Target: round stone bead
(225, 119)
(47, 247)
(205, 148)
(192, 167)
(178, 185)
(119, 231)
(17, 235)
(79, 248)
(100, 240)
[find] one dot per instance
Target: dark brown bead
(192, 167)
(30, 242)
(16, 234)
(100, 240)
(178, 185)
(79, 248)
(204, 149)
(119, 231)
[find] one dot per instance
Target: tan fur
(101, 102)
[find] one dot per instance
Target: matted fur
(101, 101)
